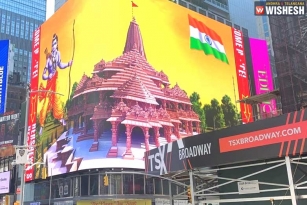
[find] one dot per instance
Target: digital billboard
(4, 59)
(262, 75)
(114, 84)
(5, 178)
(9, 125)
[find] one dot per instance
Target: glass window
(158, 186)
(94, 184)
(127, 183)
(165, 187)
(265, 27)
(138, 184)
(116, 184)
(174, 189)
(104, 190)
(84, 185)
(76, 186)
(149, 185)
(57, 189)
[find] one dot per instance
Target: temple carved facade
(126, 93)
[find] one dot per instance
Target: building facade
(58, 4)
(241, 13)
(264, 32)
(289, 42)
(18, 20)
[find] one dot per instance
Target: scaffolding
(289, 41)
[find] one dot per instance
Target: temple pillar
(176, 106)
(176, 130)
(101, 97)
(146, 134)
(74, 124)
(197, 128)
(190, 127)
(163, 104)
(167, 133)
(80, 122)
(128, 154)
(85, 98)
(186, 123)
(157, 135)
(95, 144)
(114, 149)
(85, 124)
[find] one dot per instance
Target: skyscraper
(289, 41)
(58, 4)
(19, 19)
(242, 13)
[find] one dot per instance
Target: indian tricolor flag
(205, 39)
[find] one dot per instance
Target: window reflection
(76, 186)
(116, 184)
(174, 189)
(94, 184)
(149, 185)
(84, 185)
(138, 184)
(158, 186)
(165, 187)
(104, 190)
(127, 183)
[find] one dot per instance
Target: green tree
(214, 114)
(208, 115)
(197, 108)
(69, 100)
(230, 112)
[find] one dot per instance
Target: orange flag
(133, 4)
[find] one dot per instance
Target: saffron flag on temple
(205, 39)
(133, 4)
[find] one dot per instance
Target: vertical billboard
(112, 85)
(242, 75)
(262, 75)
(4, 59)
(9, 125)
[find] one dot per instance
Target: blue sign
(4, 57)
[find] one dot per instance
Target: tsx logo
(156, 161)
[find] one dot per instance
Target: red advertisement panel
(242, 76)
(264, 137)
(29, 175)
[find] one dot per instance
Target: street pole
(50, 186)
(25, 138)
(25, 142)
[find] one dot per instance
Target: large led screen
(117, 80)
(4, 58)
(262, 75)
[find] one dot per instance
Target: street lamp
(25, 139)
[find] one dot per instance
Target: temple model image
(122, 95)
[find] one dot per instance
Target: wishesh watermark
(280, 8)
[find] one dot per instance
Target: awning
(112, 119)
(185, 119)
(176, 121)
(256, 99)
(166, 123)
(136, 123)
(155, 124)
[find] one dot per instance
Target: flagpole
(132, 9)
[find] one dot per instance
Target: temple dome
(134, 39)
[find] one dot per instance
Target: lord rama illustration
(52, 101)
